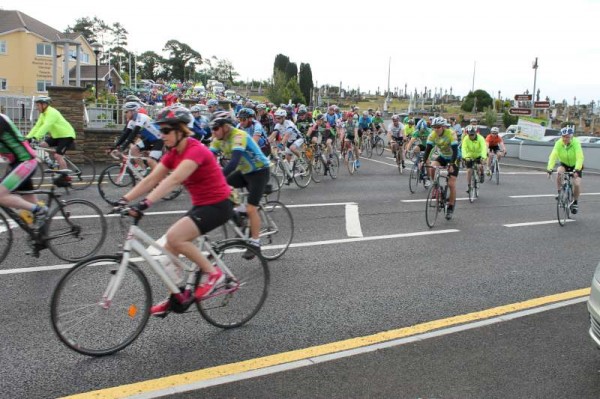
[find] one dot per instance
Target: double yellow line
(149, 386)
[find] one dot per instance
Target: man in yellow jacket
(568, 152)
(51, 121)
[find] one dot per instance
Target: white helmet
(281, 112)
(439, 121)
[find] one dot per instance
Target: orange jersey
(493, 140)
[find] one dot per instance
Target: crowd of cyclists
(183, 145)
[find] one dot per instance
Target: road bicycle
(398, 155)
(276, 225)
(494, 168)
(350, 159)
(72, 230)
(321, 163)
(377, 141)
(83, 171)
(473, 189)
(102, 304)
(417, 175)
(565, 198)
(438, 195)
(116, 180)
(299, 170)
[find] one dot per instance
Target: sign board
(519, 111)
(530, 130)
(541, 104)
(523, 97)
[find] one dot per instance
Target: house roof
(14, 20)
(88, 73)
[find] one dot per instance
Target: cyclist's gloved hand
(119, 205)
(137, 210)
(577, 173)
(549, 173)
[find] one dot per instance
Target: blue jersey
(256, 129)
(364, 122)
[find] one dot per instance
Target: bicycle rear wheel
(302, 172)
(318, 170)
(433, 205)
(75, 230)
(85, 322)
(244, 290)
(114, 183)
(37, 178)
(84, 172)
(276, 229)
(6, 237)
(497, 170)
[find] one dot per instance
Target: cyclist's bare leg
(180, 238)
(559, 171)
(452, 186)
(254, 218)
(15, 201)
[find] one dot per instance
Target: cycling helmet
(196, 108)
(246, 113)
(220, 118)
(411, 121)
(365, 113)
(495, 130)
(131, 97)
(471, 129)
(174, 114)
(131, 106)
(261, 106)
(405, 120)
(422, 124)
(302, 111)
(43, 99)
(281, 113)
(395, 117)
(567, 130)
(212, 103)
(473, 120)
(439, 121)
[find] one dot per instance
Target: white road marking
(293, 245)
(534, 223)
(353, 221)
(423, 200)
(543, 195)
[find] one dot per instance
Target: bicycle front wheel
(334, 166)
(369, 147)
(350, 162)
(6, 237)
(173, 194)
(85, 321)
(318, 170)
(37, 178)
(562, 207)
(413, 178)
(378, 144)
(302, 172)
(497, 170)
(114, 182)
(473, 186)
(84, 172)
(276, 229)
(75, 230)
(244, 290)
(433, 205)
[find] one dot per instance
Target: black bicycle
(72, 230)
(565, 198)
(438, 195)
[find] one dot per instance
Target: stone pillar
(69, 101)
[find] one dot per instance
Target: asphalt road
(334, 288)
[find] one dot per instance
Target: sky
(437, 44)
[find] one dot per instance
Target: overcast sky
(433, 43)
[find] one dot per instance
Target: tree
(93, 30)
(222, 70)
(479, 99)
(305, 81)
(150, 65)
(508, 119)
(180, 55)
(291, 71)
(281, 63)
(490, 116)
(283, 90)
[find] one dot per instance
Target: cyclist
(377, 121)
(22, 163)
(474, 150)
(420, 136)
(568, 152)
(396, 137)
(143, 126)
(351, 136)
(496, 145)
(303, 121)
(194, 166)
(365, 123)
(51, 121)
(287, 131)
(136, 99)
(248, 167)
(254, 129)
(445, 140)
(199, 125)
(265, 118)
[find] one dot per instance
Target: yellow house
(31, 55)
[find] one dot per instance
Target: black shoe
(449, 213)
(481, 178)
(248, 254)
(574, 209)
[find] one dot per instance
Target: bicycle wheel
(399, 161)
(473, 186)
(432, 205)
(413, 178)
(85, 322)
(369, 147)
(497, 170)
(350, 162)
(379, 146)
(37, 178)
(491, 175)
(114, 182)
(75, 230)
(302, 172)
(275, 192)
(6, 237)
(173, 194)
(317, 169)
(84, 172)
(562, 207)
(276, 229)
(334, 166)
(244, 290)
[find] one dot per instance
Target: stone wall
(97, 141)
(69, 101)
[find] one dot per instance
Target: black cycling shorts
(62, 145)
(572, 168)
(254, 181)
(209, 217)
(445, 162)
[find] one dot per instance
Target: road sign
(523, 97)
(541, 104)
(519, 111)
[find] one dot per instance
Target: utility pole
(473, 83)
(535, 67)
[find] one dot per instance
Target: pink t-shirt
(206, 185)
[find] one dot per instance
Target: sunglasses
(242, 119)
(215, 128)
(166, 130)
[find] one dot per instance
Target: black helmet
(219, 118)
(174, 114)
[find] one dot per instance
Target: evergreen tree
(305, 81)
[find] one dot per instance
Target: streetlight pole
(97, 48)
(535, 67)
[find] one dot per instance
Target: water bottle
(173, 271)
(26, 216)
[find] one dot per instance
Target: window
(44, 49)
(42, 84)
(3, 84)
(2, 46)
(84, 57)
